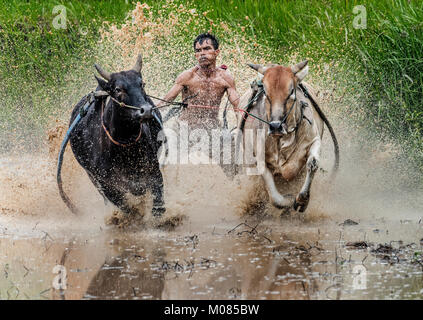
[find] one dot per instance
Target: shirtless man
(207, 83)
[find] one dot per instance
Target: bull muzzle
(145, 111)
(277, 128)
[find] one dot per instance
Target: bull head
(279, 84)
(126, 88)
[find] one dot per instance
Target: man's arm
(233, 95)
(176, 89)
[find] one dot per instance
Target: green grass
(33, 48)
(382, 64)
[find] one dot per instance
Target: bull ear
(258, 67)
(300, 70)
(106, 75)
(103, 84)
(138, 65)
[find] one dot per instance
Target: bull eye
(119, 92)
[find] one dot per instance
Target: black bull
(117, 143)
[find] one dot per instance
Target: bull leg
(278, 200)
(303, 197)
(98, 186)
(118, 198)
(157, 191)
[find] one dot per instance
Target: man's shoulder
(186, 75)
(226, 75)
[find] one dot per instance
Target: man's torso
(203, 108)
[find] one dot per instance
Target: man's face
(205, 53)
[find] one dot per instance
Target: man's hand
(176, 89)
(171, 95)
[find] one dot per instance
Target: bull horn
(258, 67)
(298, 67)
(138, 65)
(106, 75)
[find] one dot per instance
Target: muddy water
(216, 253)
(283, 260)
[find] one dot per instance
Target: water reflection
(246, 269)
(127, 276)
(304, 262)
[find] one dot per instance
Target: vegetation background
(378, 69)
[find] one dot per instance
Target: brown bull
(294, 127)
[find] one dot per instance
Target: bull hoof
(284, 202)
(313, 164)
(158, 211)
(301, 202)
(285, 212)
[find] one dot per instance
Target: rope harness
(114, 141)
(101, 93)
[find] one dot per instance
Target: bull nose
(145, 111)
(275, 126)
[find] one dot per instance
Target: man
(206, 84)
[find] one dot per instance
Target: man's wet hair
(200, 39)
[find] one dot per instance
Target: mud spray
(370, 184)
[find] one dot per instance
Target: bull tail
(326, 121)
(65, 198)
(63, 195)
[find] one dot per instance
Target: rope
(235, 109)
(110, 136)
(82, 112)
(171, 103)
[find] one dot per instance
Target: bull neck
(119, 129)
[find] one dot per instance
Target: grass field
(381, 64)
